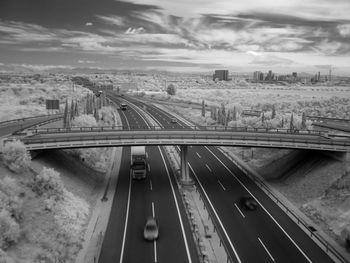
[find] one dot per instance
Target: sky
(182, 36)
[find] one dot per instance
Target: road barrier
(256, 178)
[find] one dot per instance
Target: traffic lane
(301, 239)
(113, 238)
(257, 223)
(136, 248)
(241, 236)
(171, 243)
(12, 127)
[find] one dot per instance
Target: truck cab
(138, 162)
(123, 106)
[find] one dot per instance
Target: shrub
(9, 230)
(48, 183)
(171, 89)
(15, 156)
(84, 121)
(3, 257)
(107, 117)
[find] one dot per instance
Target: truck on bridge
(138, 162)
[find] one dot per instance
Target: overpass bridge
(83, 137)
(89, 137)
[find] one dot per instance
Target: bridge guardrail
(156, 127)
(299, 220)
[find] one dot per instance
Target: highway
(264, 235)
(9, 127)
(135, 200)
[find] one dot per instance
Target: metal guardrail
(196, 128)
(267, 189)
(4, 123)
(186, 135)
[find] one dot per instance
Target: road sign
(52, 104)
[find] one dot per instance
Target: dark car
(248, 203)
(173, 120)
(151, 229)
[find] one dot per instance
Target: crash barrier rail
(157, 127)
(252, 175)
(4, 123)
(211, 216)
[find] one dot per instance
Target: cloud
(344, 30)
(113, 20)
(86, 61)
(269, 59)
(311, 9)
(88, 24)
(17, 32)
(131, 30)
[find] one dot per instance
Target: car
(173, 120)
(248, 203)
(123, 106)
(151, 229)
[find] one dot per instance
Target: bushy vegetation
(49, 184)
(16, 157)
(9, 230)
(84, 120)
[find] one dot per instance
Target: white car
(151, 230)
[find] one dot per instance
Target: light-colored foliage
(16, 157)
(48, 183)
(107, 117)
(9, 230)
(84, 120)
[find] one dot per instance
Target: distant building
(269, 75)
(295, 75)
(221, 75)
(258, 76)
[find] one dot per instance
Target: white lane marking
(155, 251)
(212, 207)
(302, 252)
(221, 185)
(153, 210)
(198, 155)
(177, 208)
(208, 168)
(150, 183)
(239, 210)
(268, 252)
(126, 222)
(149, 167)
(127, 122)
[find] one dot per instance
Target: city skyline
(198, 36)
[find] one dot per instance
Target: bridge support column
(185, 175)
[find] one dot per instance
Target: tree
(234, 114)
(9, 230)
(171, 90)
(72, 110)
(16, 157)
(76, 109)
(65, 115)
(48, 183)
(203, 108)
(273, 115)
(291, 124)
(263, 118)
(303, 121)
(84, 121)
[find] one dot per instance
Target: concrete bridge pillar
(185, 175)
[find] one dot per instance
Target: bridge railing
(187, 137)
(156, 127)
